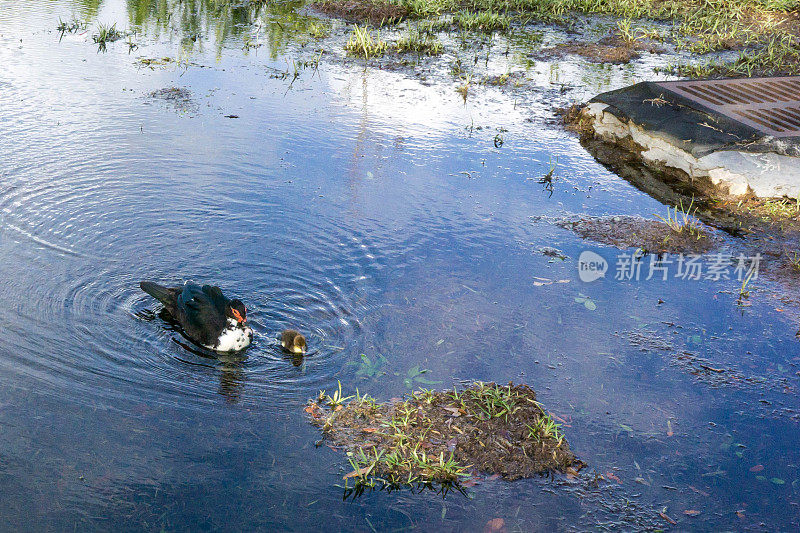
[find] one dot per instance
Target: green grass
(70, 26)
(683, 221)
(420, 43)
(486, 21)
(438, 437)
(768, 41)
(106, 34)
(362, 43)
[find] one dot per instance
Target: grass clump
(362, 43)
(70, 26)
(669, 235)
(683, 221)
(106, 34)
(774, 209)
(419, 43)
(486, 21)
(441, 436)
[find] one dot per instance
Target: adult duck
(205, 314)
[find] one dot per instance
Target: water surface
(374, 209)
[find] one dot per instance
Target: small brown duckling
(293, 341)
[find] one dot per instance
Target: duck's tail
(163, 294)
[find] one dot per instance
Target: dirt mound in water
(441, 436)
(652, 236)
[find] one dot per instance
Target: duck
(206, 316)
(293, 341)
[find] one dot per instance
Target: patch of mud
(373, 11)
(177, 97)
(714, 375)
(652, 236)
(437, 436)
(704, 370)
(647, 341)
(594, 52)
(552, 253)
(153, 62)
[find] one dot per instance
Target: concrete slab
(670, 127)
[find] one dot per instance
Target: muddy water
(375, 210)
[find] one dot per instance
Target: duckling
(293, 342)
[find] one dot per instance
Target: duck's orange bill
(238, 316)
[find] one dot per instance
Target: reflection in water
(274, 24)
(376, 213)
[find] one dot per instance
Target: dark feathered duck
(205, 315)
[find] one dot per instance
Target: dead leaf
(369, 430)
(495, 524)
(566, 423)
(740, 514)
(360, 472)
(691, 512)
(454, 411)
(757, 468)
(698, 491)
(610, 475)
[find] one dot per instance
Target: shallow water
(372, 209)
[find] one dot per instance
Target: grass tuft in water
(683, 221)
(420, 43)
(70, 26)
(362, 43)
(106, 34)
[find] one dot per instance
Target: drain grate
(770, 105)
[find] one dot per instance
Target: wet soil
(375, 12)
(652, 236)
(464, 426)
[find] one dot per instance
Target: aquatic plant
(106, 34)
(487, 21)
(70, 26)
(463, 89)
(337, 400)
(683, 221)
(420, 43)
(362, 43)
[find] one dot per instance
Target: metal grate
(770, 105)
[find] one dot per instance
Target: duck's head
(298, 344)
(237, 311)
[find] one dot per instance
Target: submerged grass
(441, 436)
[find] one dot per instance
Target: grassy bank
(766, 33)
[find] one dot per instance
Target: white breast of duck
(233, 338)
